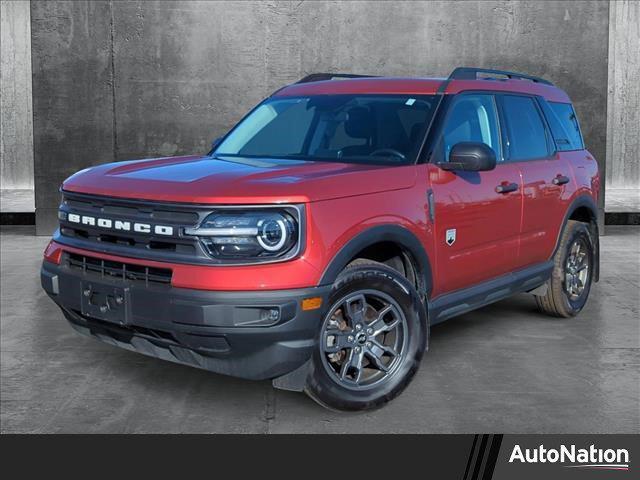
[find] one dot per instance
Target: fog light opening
(269, 315)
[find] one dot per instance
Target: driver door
(477, 215)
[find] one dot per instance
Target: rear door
(477, 214)
(546, 175)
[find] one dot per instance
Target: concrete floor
(504, 368)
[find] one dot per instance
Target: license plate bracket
(105, 302)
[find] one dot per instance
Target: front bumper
(223, 332)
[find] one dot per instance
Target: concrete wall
(623, 153)
(16, 139)
(138, 79)
(72, 96)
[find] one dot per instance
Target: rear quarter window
(566, 116)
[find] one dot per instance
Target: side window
(472, 118)
(568, 119)
(560, 134)
(527, 137)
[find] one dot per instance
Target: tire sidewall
(326, 390)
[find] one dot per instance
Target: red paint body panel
(205, 180)
(53, 252)
(297, 273)
(487, 225)
(337, 221)
(544, 207)
(586, 174)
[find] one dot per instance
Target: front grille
(176, 247)
(130, 241)
(123, 271)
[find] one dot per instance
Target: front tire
(371, 340)
(570, 283)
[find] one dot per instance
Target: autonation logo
(589, 458)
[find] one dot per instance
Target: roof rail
(471, 73)
(317, 77)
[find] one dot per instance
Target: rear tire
(371, 339)
(570, 283)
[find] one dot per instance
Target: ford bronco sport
(319, 239)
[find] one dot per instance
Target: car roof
(421, 86)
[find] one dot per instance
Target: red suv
(323, 235)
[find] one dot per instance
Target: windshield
(385, 129)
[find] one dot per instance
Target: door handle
(560, 180)
(506, 187)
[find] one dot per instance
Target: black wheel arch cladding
(408, 242)
(584, 201)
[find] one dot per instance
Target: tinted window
(569, 121)
(346, 128)
(560, 135)
(526, 132)
(472, 118)
(278, 128)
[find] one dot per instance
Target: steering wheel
(388, 151)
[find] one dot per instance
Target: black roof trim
(471, 73)
(459, 73)
(318, 77)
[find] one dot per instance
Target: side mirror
(470, 157)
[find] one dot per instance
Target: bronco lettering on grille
(120, 225)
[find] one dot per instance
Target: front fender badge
(450, 236)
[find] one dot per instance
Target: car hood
(204, 179)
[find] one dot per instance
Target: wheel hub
(363, 339)
(577, 270)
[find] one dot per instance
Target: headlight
(264, 234)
